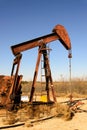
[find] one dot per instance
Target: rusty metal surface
(43, 51)
(10, 86)
(5, 86)
(59, 32)
(33, 43)
(63, 36)
(6, 83)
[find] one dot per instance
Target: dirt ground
(78, 122)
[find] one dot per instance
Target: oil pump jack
(58, 33)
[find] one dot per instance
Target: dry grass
(78, 87)
(29, 112)
(62, 120)
(11, 118)
(62, 111)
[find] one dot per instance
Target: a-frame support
(43, 51)
(14, 94)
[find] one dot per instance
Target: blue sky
(22, 20)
